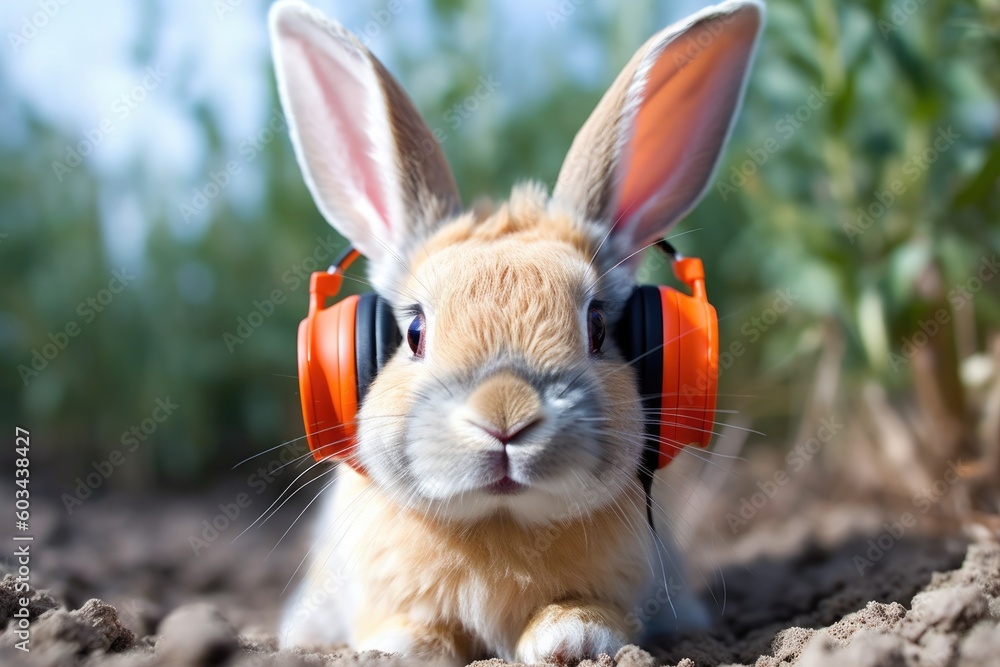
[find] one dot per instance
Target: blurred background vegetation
(833, 188)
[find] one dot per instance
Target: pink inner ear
(340, 134)
(690, 96)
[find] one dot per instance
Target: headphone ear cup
(711, 372)
(672, 339)
(313, 392)
(698, 370)
(670, 388)
(376, 338)
(328, 378)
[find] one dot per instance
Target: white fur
(569, 640)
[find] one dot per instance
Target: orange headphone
(671, 337)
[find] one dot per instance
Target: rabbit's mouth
(505, 487)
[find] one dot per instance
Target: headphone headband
(671, 336)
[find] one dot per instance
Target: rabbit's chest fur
(483, 581)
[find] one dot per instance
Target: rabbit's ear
(372, 165)
(646, 154)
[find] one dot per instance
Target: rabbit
(491, 505)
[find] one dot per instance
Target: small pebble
(196, 634)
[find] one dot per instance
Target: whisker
(292, 525)
(611, 228)
(302, 437)
(284, 444)
(290, 484)
(659, 554)
(674, 444)
(407, 294)
(255, 521)
(678, 393)
(323, 537)
(597, 281)
(702, 430)
(690, 408)
(662, 511)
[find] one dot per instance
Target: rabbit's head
(508, 394)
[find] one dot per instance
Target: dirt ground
(805, 581)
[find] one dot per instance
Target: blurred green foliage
(846, 99)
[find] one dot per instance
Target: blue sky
(138, 69)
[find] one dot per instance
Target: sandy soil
(119, 583)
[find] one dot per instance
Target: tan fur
(495, 575)
(526, 212)
(514, 278)
(506, 402)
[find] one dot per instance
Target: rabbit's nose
(505, 436)
(505, 406)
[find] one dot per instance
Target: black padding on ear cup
(651, 375)
(387, 334)
(631, 331)
(376, 337)
(640, 330)
(365, 352)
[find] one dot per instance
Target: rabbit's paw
(568, 633)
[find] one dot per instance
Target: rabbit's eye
(596, 329)
(415, 335)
